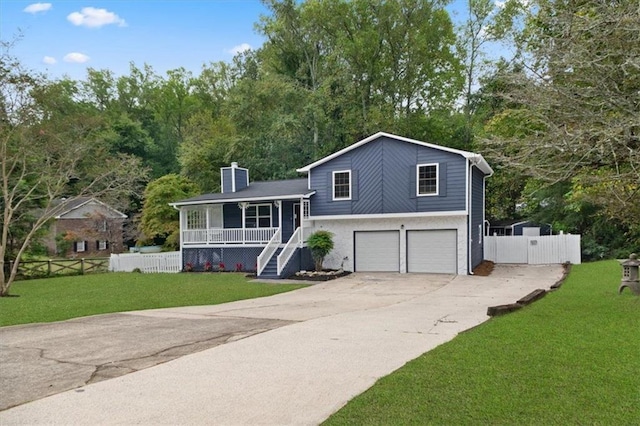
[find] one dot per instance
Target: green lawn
(571, 358)
(55, 299)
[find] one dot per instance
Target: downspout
(469, 215)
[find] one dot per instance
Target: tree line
(558, 118)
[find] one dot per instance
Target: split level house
(392, 203)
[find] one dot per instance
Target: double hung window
(342, 185)
(258, 216)
(427, 177)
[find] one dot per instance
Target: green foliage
(51, 146)
(320, 243)
(575, 117)
(523, 368)
(57, 299)
(159, 219)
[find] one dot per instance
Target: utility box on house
(630, 274)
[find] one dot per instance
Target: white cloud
(75, 57)
(240, 48)
(37, 7)
(50, 60)
(95, 18)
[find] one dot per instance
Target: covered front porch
(244, 223)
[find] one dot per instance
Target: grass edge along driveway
(570, 358)
(62, 298)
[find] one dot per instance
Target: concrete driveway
(293, 358)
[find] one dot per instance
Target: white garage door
(377, 251)
(432, 251)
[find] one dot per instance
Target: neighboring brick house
(86, 227)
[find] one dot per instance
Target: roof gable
(82, 207)
(476, 159)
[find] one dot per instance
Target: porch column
(207, 224)
(243, 206)
(278, 204)
(301, 213)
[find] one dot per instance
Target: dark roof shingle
(268, 189)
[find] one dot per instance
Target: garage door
(432, 251)
(377, 251)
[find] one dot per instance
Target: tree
(159, 219)
(50, 147)
(320, 243)
(576, 116)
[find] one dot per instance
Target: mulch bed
(310, 277)
(484, 269)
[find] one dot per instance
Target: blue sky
(65, 37)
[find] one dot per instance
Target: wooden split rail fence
(54, 267)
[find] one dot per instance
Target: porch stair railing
(268, 251)
(289, 249)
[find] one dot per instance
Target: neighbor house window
(427, 179)
(342, 185)
(258, 216)
(102, 245)
(80, 246)
(197, 219)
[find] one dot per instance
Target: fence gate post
(49, 267)
(82, 266)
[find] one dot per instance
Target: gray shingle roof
(275, 189)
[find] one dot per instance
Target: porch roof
(256, 191)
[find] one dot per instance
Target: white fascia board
(242, 200)
(482, 164)
(388, 215)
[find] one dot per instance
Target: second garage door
(377, 251)
(433, 251)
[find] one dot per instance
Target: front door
(296, 216)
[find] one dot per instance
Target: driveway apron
(317, 348)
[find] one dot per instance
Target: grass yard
(571, 358)
(55, 299)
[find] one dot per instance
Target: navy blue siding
(232, 216)
(476, 239)
(226, 179)
(383, 174)
(287, 220)
(300, 261)
(247, 257)
(242, 178)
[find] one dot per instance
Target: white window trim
(80, 247)
(257, 206)
(102, 244)
(333, 186)
(202, 219)
(418, 194)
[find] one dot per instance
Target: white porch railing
(294, 242)
(267, 252)
(228, 235)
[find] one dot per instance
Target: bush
(320, 243)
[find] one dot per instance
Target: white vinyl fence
(539, 250)
(149, 263)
